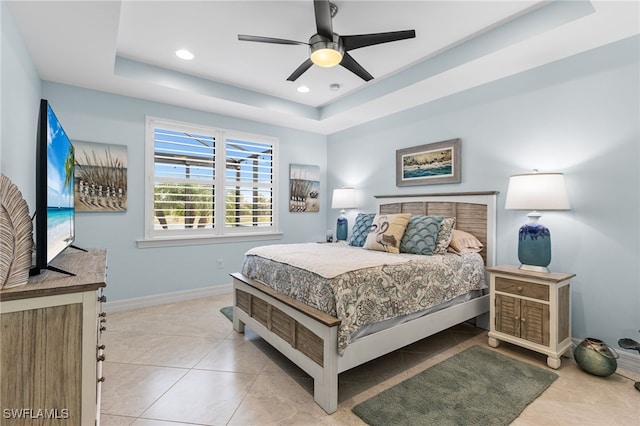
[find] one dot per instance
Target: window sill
(192, 241)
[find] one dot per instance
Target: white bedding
(327, 260)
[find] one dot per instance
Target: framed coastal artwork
(100, 177)
(304, 188)
(429, 164)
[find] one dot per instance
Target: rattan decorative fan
(16, 235)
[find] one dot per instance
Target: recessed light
(303, 89)
(184, 54)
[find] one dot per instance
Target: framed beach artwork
(430, 164)
(304, 188)
(100, 177)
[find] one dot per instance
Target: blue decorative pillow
(421, 235)
(361, 229)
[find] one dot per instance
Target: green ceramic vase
(596, 357)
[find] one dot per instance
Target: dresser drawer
(522, 288)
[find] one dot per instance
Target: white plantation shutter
(208, 182)
(248, 182)
(184, 180)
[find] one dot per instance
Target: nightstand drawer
(522, 288)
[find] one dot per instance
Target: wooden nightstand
(532, 310)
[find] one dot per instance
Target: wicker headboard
(474, 212)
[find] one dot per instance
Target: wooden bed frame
(309, 337)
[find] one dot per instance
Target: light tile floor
(182, 364)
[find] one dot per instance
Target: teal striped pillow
(421, 235)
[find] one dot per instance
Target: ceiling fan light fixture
(326, 54)
(328, 49)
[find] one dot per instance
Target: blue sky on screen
(58, 149)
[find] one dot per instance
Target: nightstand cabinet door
(532, 310)
(522, 318)
(507, 314)
(534, 320)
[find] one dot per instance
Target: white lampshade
(344, 198)
(537, 191)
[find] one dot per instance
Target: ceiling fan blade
(351, 42)
(349, 63)
(260, 39)
(300, 70)
(323, 18)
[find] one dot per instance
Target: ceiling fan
(328, 49)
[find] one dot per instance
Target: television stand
(35, 271)
(62, 271)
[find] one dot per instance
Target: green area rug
(227, 311)
(475, 387)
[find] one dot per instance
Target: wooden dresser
(50, 351)
(532, 310)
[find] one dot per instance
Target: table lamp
(536, 191)
(343, 198)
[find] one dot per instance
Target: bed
(317, 342)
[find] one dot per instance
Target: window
(207, 182)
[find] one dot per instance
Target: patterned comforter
(397, 284)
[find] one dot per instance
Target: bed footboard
(306, 336)
(309, 337)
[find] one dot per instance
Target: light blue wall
(99, 117)
(579, 116)
(19, 101)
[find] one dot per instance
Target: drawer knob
(101, 379)
(101, 348)
(520, 289)
(102, 299)
(100, 358)
(103, 328)
(102, 314)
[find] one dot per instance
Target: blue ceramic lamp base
(534, 245)
(342, 227)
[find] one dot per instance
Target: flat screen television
(54, 209)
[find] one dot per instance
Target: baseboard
(629, 361)
(165, 298)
